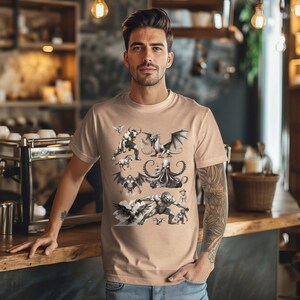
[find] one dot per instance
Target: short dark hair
(153, 17)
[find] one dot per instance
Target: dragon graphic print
(159, 170)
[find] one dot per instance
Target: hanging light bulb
(281, 45)
(296, 8)
(258, 20)
(99, 9)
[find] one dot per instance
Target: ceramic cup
(4, 132)
(253, 165)
(31, 136)
(46, 133)
(63, 135)
(14, 136)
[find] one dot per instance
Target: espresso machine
(16, 163)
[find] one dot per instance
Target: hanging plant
(252, 42)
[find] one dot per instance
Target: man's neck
(148, 95)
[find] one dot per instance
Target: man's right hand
(46, 241)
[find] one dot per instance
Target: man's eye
(137, 48)
(157, 48)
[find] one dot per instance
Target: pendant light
(296, 8)
(281, 42)
(258, 20)
(99, 9)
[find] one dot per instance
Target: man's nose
(147, 58)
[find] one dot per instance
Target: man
(146, 256)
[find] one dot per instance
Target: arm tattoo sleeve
(214, 184)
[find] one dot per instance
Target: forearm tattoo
(63, 215)
(213, 181)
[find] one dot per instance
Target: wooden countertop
(84, 241)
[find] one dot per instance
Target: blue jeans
(185, 290)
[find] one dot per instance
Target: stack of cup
(4, 132)
(7, 217)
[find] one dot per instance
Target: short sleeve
(84, 141)
(210, 149)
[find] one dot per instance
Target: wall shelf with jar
(39, 54)
(208, 19)
(8, 24)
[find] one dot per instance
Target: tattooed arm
(67, 190)
(213, 180)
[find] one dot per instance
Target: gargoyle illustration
(127, 143)
(183, 196)
(130, 183)
(181, 217)
(158, 221)
(118, 129)
(159, 149)
(163, 204)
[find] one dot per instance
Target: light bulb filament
(99, 9)
(297, 10)
(258, 20)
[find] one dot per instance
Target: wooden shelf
(294, 87)
(49, 4)
(6, 44)
(56, 47)
(228, 33)
(208, 33)
(45, 19)
(192, 5)
(34, 103)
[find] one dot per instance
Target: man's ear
(170, 59)
(125, 59)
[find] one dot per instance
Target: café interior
(239, 58)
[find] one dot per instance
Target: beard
(147, 80)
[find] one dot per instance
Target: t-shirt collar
(150, 107)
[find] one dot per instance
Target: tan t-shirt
(148, 157)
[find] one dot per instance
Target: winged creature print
(159, 149)
(130, 183)
(158, 172)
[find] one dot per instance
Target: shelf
(6, 44)
(56, 47)
(294, 87)
(208, 33)
(25, 103)
(44, 20)
(192, 5)
(225, 7)
(49, 4)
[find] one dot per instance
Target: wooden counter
(84, 241)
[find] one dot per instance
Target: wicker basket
(254, 191)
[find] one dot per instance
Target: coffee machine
(17, 159)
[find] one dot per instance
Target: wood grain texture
(83, 241)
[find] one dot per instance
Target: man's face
(147, 57)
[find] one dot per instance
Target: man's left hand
(195, 272)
